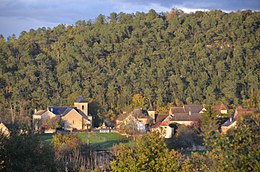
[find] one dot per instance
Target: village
(121, 86)
(178, 129)
(137, 122)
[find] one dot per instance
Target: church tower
(82, 105)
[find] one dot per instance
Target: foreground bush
(149, 154)
(24, 153)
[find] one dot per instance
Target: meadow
(99, 141)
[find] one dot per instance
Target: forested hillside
(203, 57)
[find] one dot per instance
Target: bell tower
(82, 105)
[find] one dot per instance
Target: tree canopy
(202, 57)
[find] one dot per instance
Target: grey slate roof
(229, 122)
(63, 110)
(81, 99)
(82, 113)
(67, 110)
(58, 110)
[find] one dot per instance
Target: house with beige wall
(186, 115)
(75, 119)
(4, 130)
(240, 112)
(221, 109)
(138, 120)
(72, 118)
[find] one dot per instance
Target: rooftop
(185, 117)
(81, 99)
(59, 110)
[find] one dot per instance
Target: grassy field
(99, 141)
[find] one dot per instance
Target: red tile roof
(163, 124)
(218, 108)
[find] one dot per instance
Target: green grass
(99, 141)
(46, 138)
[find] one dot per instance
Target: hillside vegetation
(202, 57)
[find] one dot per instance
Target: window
(73, 121)
(82, 107)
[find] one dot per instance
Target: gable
(203, 110)
(71, 113)
(47, 114)
(4, 129)
(220, 108)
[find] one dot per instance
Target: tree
(138, 101)
(209, 126)
(50, 123)
(149, 154)
(24, 152)
(68, 151)
(236, 151)
(185, 137)
(162, 57)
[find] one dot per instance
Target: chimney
(35, 110)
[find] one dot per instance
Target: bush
(24, 152)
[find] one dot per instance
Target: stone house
(71, 118)
(232, 121)
(138, 120)
(161, 127)
(220, 109)
(186, 115)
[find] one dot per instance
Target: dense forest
(173, 57)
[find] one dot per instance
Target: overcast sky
(22, 15)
